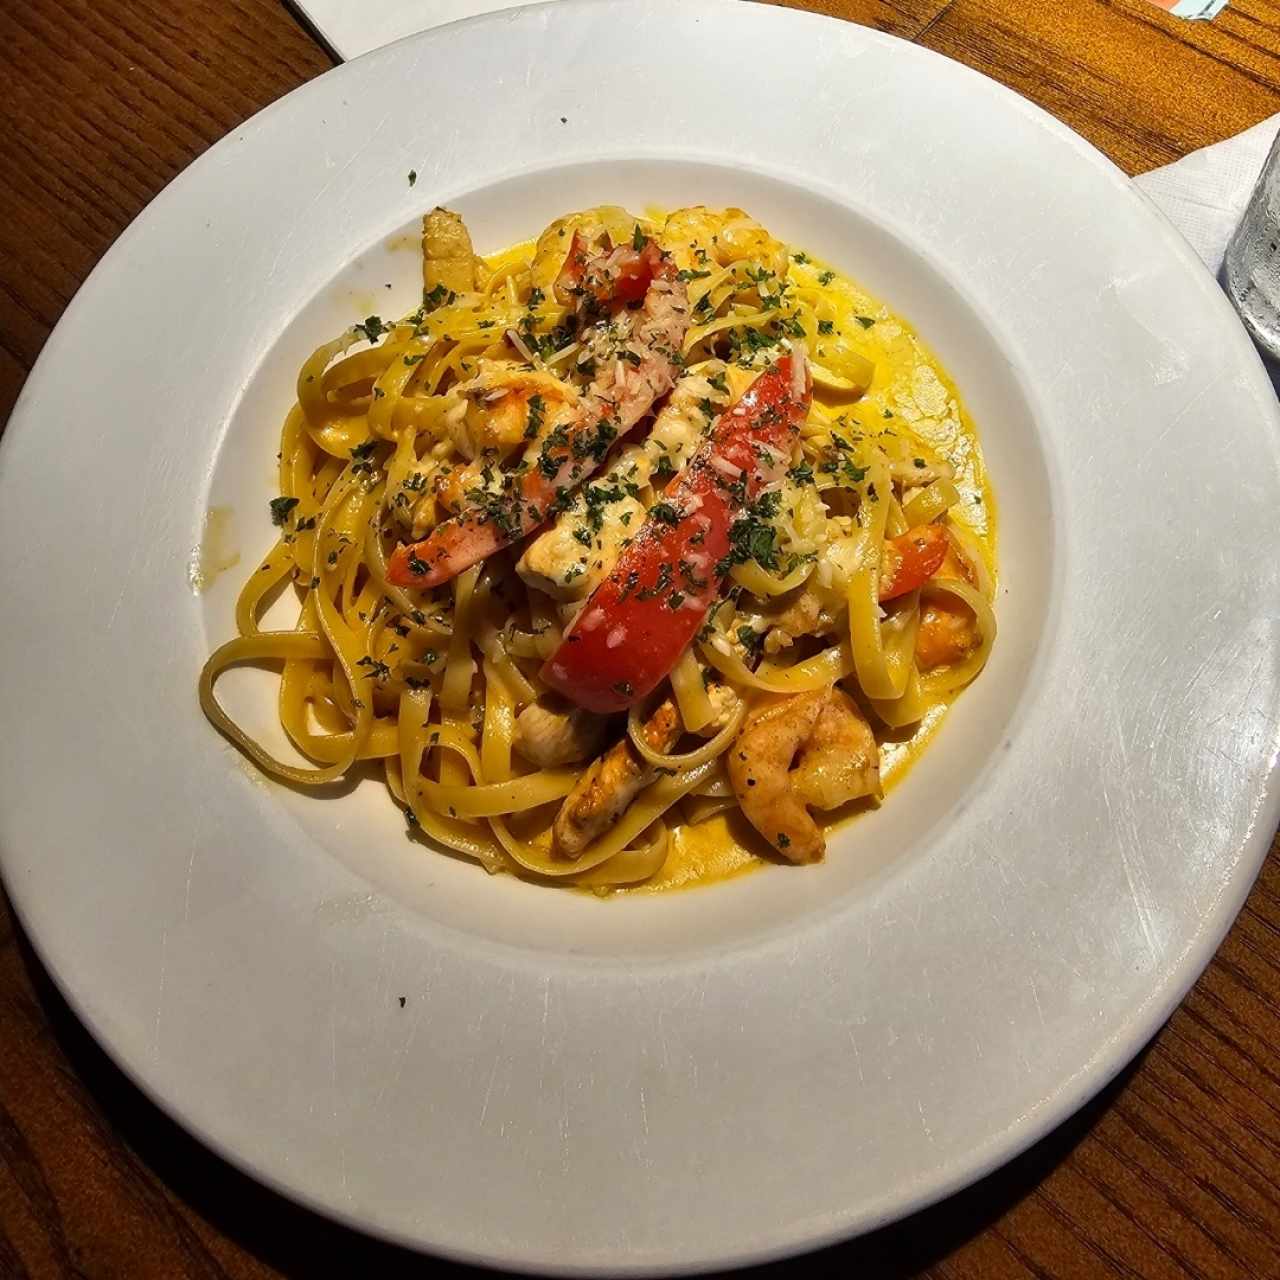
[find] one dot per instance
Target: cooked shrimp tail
(807, 750)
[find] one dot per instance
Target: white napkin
(1204, 194)
(353, 27)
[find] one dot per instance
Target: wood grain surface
(1174, 1171)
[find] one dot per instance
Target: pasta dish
(653, 528)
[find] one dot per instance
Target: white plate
(648, 1084)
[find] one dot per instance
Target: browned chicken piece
(448, 259)
(803, 615)
(553, 732)
(603, 794)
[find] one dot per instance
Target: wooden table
(1173, 1172)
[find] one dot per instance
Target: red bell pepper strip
(911, 559)
(639, 620)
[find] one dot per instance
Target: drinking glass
(1253, 259)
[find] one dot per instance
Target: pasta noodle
(862, 565)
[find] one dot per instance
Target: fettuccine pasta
(650, 528)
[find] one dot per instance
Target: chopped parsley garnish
(537, 414)
(751, 537)
(660, 583)
(372, 328)
(801, 473)
(750, 638)
(280, 508)
(865, 321)
(784, 840)
(362, 457)
(536, 296)
(417, 567)
(917, 462)
(418, 359)
(499, 508)
(826, 326)
(597, 497)
(548, 463)
(686, 275)
(377, 670)
(665, 512)
(639, 239)
(826, 277)
(632, 581)
(687, 572)
(433, 298)
(413, 177)
(720, 383)
(663, 468)
(675, 600)
(582, 535)
(745, 342)
(801, 258)
(606, 434)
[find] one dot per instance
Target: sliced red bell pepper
(911, 559)
(638, 621)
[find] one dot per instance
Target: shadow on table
(300, 1243)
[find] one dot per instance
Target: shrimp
(698, 235)
(646, 346)
(505, 405)
(603, 794)
(948, 630)
(801, 751)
